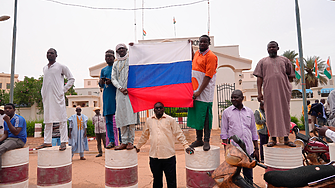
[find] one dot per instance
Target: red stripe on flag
(176, 95)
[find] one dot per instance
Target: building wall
(91, 83)
(5, 80)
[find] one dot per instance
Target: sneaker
(110, 145)
(197, 144)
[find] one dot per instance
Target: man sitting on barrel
(15, 134)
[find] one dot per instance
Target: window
(88, 83)
(8, 86)
(0, 85)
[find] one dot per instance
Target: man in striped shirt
(100, 130)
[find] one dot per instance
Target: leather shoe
(130, 146)
(99, 155)
(110, 145)
(121, 147)
(206, 146)
(197, 143)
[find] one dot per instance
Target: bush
(90, 128)
(181, 114)
(31, 127)
(295, 120)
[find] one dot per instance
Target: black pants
(168, 166)
(264, 138)
(99, 137)
(206, 130)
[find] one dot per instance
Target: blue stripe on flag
(141, 76)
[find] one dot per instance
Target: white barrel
(282, 157)
(15, 168)
(198, 164)
(54, 167)
(332, 151)
(38, 130)
(121, 168)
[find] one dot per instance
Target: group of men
(273, 73)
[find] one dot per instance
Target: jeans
(109, 126)
(56, 141)
(10, 144)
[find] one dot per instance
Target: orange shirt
(205, 63)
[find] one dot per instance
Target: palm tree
(310, 79)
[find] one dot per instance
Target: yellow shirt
(308, 108)
(163, 132)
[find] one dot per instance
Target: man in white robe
(124, 116)
(53, 91)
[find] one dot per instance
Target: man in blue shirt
(15, 134)
(109, 104)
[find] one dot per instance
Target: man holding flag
(200, 116)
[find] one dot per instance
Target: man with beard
(109, 92)
(200, 116)
(53, 91)
(239, 120)
(125, 117)
(274, 73)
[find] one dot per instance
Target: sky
(81, 36)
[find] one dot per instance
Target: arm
(204, 84)
(259, 88)
(4, 136)
(70, 78)
(224, 129)
(114, 77)
(330, 133)
(14, 130)
(101, 80)
(70, 127)
(178, 133)
(145, 136)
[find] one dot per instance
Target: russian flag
(160, 72)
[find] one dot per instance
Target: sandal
(271, 144)
(62, 147)
(289, 143)
(44, 145)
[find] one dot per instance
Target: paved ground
(91, 172)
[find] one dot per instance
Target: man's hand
(190, 150)
(256, 154)
(322, 130)
(102, 81)
(196, 94)
(6, 118)
(108, 81)
(260, 97)
(137, 150)
(124, 91)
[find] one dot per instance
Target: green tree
(4, 97)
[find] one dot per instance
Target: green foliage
(295, 120)
(181, 114)
(90, 128)
(171, 111)
(31, 127)
(4, 97)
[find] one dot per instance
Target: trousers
(99, 137)
(128, 134)
(48, 132)
(168, 166)
(10, 144)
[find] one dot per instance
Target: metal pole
(13, 56)
(135, 20)
(142, 19)
(209, 19)
(302, 67)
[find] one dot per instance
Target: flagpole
(142, 19)
(135, 20)
(302, 67)
(208, 19)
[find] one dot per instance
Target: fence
(179, 114)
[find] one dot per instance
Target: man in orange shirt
(200, 116)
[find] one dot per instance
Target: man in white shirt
(163, 130)
(328, 132)
(53, 97)
(2, 114)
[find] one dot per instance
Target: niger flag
(297, 69)
(328, 71)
